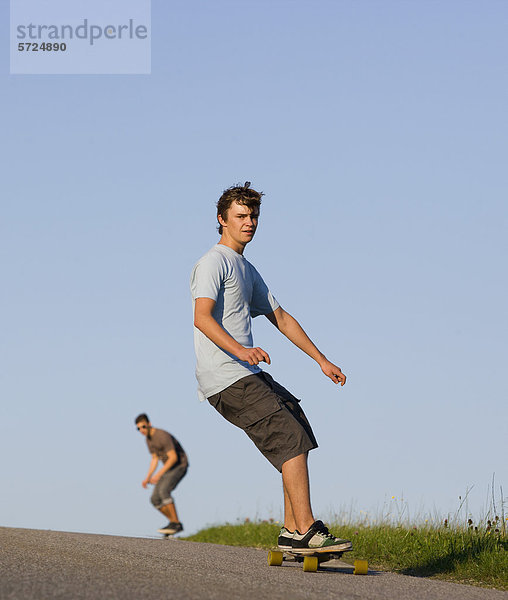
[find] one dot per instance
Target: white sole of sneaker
(328, 549)
(167, 531)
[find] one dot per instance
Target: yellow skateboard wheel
(310, 564)
(275, 558)
(361, 567)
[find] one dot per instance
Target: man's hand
(145, 482)
(253, 355)
(155, 478)
(333, 372)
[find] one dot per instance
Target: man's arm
(153, 465)
(205, 322)
(170, 462)
(290, 327)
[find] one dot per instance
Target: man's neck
(239, 248)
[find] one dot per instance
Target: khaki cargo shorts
(269, 414)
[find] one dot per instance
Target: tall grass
(461, 554)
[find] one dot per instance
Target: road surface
(43, 565)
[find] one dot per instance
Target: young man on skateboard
(227, 292)
(166, 448)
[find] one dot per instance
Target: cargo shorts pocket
(257, 411)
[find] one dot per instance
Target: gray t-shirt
(240, 294)
(162, 442)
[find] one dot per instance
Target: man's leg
(309, 534)
(297, 508)
(174, 525)
(169, 510)
(289, 518)
(165, 486)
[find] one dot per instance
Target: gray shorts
(269, 414)
(161, 494)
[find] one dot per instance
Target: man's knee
(156, 500)
(159, 502)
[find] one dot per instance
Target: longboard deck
(312, 560)
(322, 553)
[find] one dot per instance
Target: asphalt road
(43, 565)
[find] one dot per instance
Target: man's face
(143, 427)
(241, 223)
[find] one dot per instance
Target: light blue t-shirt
(240, 294)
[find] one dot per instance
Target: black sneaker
(285, 539)
(319, 539)
(178, 527)
(171, 528)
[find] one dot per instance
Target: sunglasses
(140, 427)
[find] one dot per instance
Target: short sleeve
(263, 302)
(207, 277)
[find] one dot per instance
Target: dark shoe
(319, 539)
(171, 528)
(178, 527)
(285, 539)
(168, 529)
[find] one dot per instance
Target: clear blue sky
(378, 132)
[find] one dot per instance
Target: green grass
(477, 556)
(259, 534)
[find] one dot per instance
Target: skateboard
(312, 561)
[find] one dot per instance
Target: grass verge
(465, 555)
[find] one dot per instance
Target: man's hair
(142, 417)
(242, 194)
